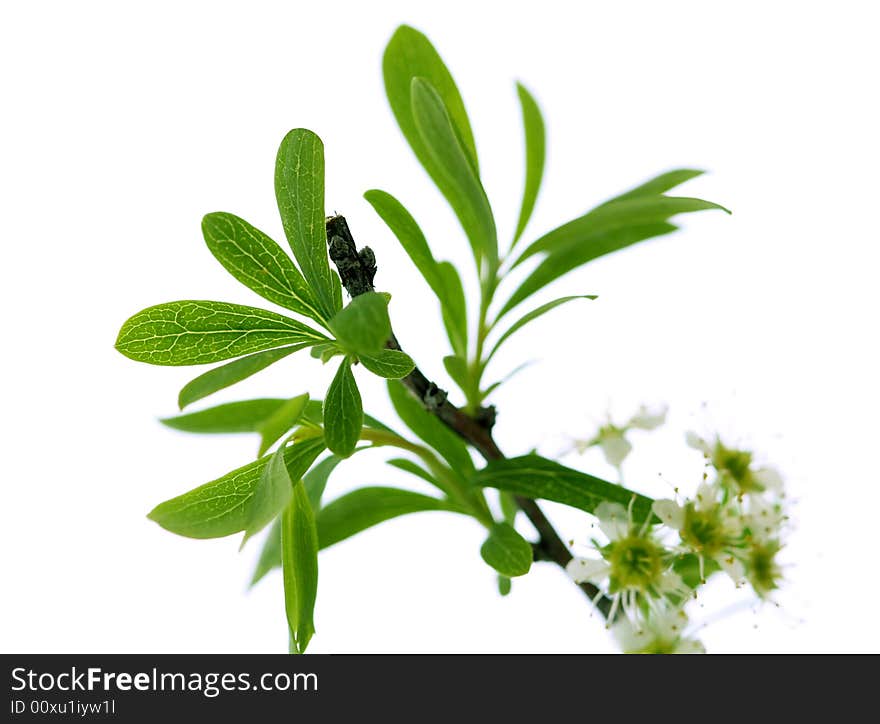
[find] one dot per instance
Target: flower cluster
(734, 524)
(736, 519)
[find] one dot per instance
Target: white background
(123, 123)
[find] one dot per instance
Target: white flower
(662, 631)
(588, 569)
(697, 443)
(614, 445)
(709, 527)
(761, 568)
(769, 479)
(611, 438)
(646, 419)
(633, 566)
(735, 467)
(734, 568)
(763, 519)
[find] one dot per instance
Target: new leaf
(343, 412)
(363, 326)
(457, 177)
(392, 364)
(507, 551)
(533, 126)
(299, 556)
(280, 421)
(409, 55)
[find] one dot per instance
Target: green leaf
(531, 316)
(227, 375)
(316, 479)
(454, 308)
(456, 176)
(343, 412)
(314, 482)
(591, 228)
(391, 364)
(535, 477)
(659, 184)
(413, 468)
(409, 234)
(495, 385)
(366, 507)
(222, 507)
(271, 495)
(284, 418)
(200, 332)
(314, 415)
(409, 54)
(413, 241)
(562, 262)
(607, 228)
(243, 416)
(363, 327)
(509, 508)
(299, 556)
(504, 585)
(507, 551)
(431, 430)
(258, 263)
(299, 189)
(457, 368)
(326, 352)
(270, 553)
(533, 126)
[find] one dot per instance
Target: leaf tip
(244, 539)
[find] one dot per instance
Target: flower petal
(615, 446)
(613, 520)
(697, 443)
(764, 519)
(628, 637)
(669, 624)
(690, 646)
(671, 582)
(733, 567)
(646, 419)
(670, 512)
(587, 569)
(707, 497)
(769, 479)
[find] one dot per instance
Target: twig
(357, 269)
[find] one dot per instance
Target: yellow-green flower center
(736, 465)
(761, 567)
(636, 563)
(703, 530)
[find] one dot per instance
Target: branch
(357, 270)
